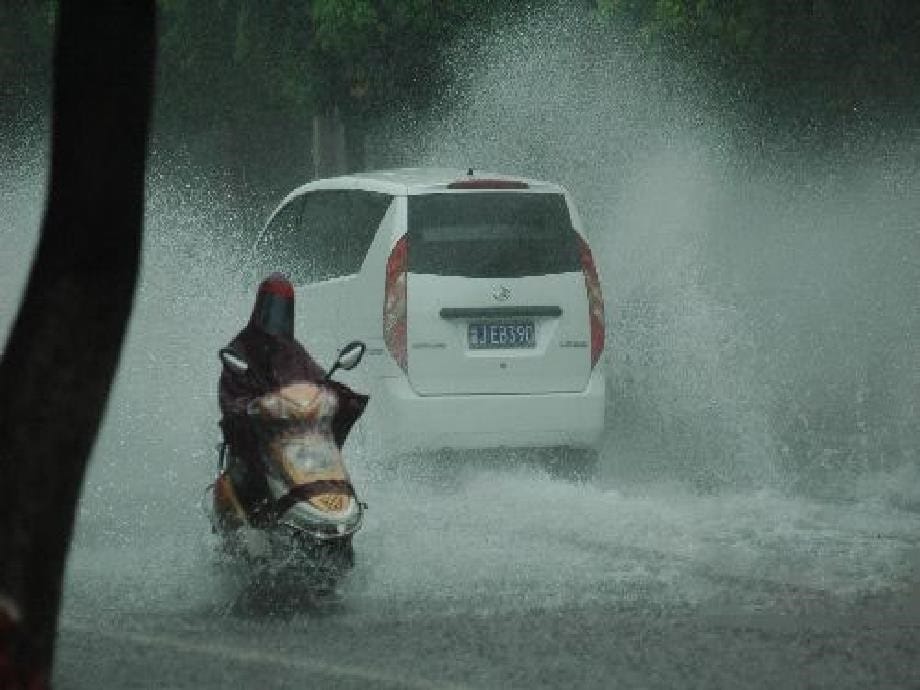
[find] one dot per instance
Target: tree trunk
(329, 155)
(63, 350)
(355, 143)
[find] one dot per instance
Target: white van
(477, 296)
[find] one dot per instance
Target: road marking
(257, 656)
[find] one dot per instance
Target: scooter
(311, 511)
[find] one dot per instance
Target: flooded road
(515, 580)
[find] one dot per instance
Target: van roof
(421, 180)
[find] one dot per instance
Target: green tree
(376, 56)
(236, 66)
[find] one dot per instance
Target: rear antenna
(469, 171)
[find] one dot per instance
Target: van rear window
(491, 235)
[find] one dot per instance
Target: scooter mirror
(351, 354)
(233, 361)
(348, 358)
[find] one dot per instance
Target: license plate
(496, 335)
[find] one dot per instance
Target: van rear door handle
(498, 312)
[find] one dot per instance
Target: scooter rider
(275, 359)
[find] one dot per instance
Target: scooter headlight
(309, 456)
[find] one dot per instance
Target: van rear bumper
(402, 420)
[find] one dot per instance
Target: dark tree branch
(63, 351)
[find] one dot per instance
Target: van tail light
(595, 300)
(394, 304)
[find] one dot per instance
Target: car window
(323, 234)
(491, 235)
(341, 225)
(281, 247)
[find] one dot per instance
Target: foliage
(353, 54)
(225, 64)
(819, 60)
(387, 51)
(26, 36)
(228, 65)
